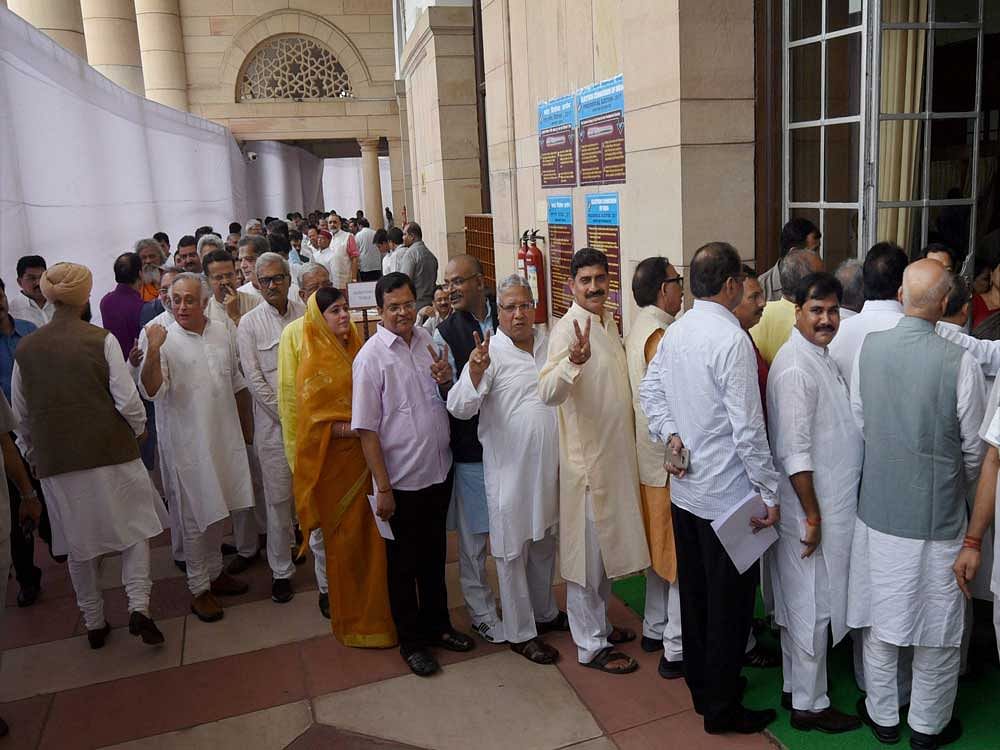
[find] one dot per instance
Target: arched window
(292, 67)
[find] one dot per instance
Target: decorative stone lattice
(293, 67)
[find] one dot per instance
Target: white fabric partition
(87, 168)
(343, 186)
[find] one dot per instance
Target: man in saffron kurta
(600, 521)
(332, 483)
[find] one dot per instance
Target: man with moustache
(29, 303)
(151, 256)
(818, 451)
(258, 337)
(600, 521)
(748, 313)
(191, 369)
(339, 253)
(186, 258)
(474, 314)
(410, 461)
(500, 384)
(227, 301)
(659, 291)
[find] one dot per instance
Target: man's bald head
(926, 285)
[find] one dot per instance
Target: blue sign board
(602, 210)
(601, 98)
(557, 112)
(560, 209)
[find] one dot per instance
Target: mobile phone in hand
(679, 461)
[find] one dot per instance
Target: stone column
(113, 42)
(60, 19)
(396, 173)
(372, 182)
(161, 44)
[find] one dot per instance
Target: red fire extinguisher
(522, 253)
(534, 267)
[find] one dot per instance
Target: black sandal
(606, 655)
(536, 650)
(558, 624)
(621, 635)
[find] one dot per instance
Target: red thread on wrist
(815, 523)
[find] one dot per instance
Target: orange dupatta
(332, 483)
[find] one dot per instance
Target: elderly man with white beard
(500, 383)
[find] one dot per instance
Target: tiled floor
(269, 677)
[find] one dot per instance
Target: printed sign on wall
(604, 234)
(557, 141)
(600, 114)
(560, 220)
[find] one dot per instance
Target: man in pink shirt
(399, 413)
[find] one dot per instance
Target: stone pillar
(396, 172)
(372, 182)
(113, 42)
(60, 19)
(161, 44)
(407, 156)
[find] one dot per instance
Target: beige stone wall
(439, 70)
(219, 34)
(688, 70)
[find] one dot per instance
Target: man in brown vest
(82, 444)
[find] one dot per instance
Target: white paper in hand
(383, 526)
(736, 534)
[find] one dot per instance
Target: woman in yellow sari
(332, 481)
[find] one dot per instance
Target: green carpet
(977, 695)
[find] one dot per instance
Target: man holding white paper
(700, 393)
(818, 450)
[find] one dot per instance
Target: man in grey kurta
(918, 399)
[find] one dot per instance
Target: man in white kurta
(601, 535)
(339, 255)
(818, 451)
(82, 445)
(911, 520)
(520, 438)
(658, 290)
(258, 336)
(191, 370)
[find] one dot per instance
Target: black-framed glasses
(278, 278)
(679, 280)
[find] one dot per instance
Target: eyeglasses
(402, 307)
(522, 307)
(459, 280)
(269, 280)
(679, 280)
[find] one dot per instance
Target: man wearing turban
(83, 444)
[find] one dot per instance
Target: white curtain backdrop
(87, 168)
(343, 188)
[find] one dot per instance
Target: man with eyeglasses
(399, 413)
(474, 313)
(659, 291)
(258, 337)
(248, 251)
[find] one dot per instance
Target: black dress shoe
(670, 670)
(227, 549)
(921, 741)
(651, 645)
(452, 640)
(761, 658)
(239, 564)
(4, 729)
(28, 595)
(829, 720)
(324, 605)
(422, 663)
(745, 721)
(885, 735)
(96, 638)
(181, 565)
(281, 591)
(140, 625)
(786, 700)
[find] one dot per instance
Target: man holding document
(818, 450)
(700, 396)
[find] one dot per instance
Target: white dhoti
(587, 605)
(526, 595)
(85, 575)
(249, 522)
(318, 548)
(661, 619)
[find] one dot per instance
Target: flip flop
(536, 651)
(621, 635)
(606, 655)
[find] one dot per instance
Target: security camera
(252, 155)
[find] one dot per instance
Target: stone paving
(271, 676)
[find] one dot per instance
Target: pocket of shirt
(267, 354)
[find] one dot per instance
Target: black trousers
(716, 614)
(418, 596)
(22, 548)
(369, 275)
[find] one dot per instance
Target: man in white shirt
(191, 370)
(398, 258)
(851, 276)
(952, 327)
(700, 392)
(30, 304)
(500, 383)
(818, 450)
(227, 302)
(339, 254)
(918, 399)
(883, 275)
(369, 256)
(258, 337)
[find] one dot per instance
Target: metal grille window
(292, 67)
(823, 119)
(927, 147)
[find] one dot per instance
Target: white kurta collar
(803, 343)
(714, 308)
(581, 312)
(882, 305)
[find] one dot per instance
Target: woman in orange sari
(332, 481)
